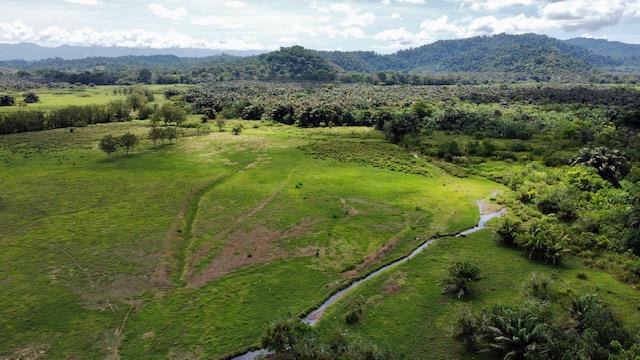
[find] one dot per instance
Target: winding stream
(313, 317)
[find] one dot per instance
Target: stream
(313, 317)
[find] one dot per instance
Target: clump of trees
(579, 327)
(610, 164)
(293, 339)
(171, 116)
(68, 116)
(110, 144)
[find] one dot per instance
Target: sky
(383, 26)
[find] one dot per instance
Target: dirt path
(241, 248)
(180, 230)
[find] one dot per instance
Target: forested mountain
(518, 57)
(528, 53)
(629, 54)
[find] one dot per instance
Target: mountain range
(529, 54)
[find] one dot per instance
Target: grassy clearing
(406, 312)
(83, 235)
(85, 95)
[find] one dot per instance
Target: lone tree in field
(237, 129)
(31, 97)
(611, 164)
(109, 144)
(128, 141)
(461, 275)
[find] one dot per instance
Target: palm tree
(581, 306)
(514, 333)
(461, 274)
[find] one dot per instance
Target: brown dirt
(202, 252)
(31, 352)
(395, 283)
(248, 248)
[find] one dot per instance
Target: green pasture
(406, 312)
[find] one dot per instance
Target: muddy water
(316, 314)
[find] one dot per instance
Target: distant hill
(28, 51)
(519, 57)
(629, 54)
(528, 53)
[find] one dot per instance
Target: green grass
(83, 234)
(416, 320)
(251, 227)
(51, 99)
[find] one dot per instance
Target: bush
(461, 275)
(507, 230)
(237, 129)
(7, 100)
(559, 200)
(355, 313)
(31, 97)
(467, 329)
(544, 242)
(539, 286)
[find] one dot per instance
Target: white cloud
(166, 13)
(352, 15)
(84, 2)
(287, 40)
(216, 22)
(441, 25)
(493, 5)
(395, 16)
(400, 35)
(17, 31)
(234, 4)
(329, 31)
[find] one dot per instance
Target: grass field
(190, 250)
(183, 248)
(52, 98)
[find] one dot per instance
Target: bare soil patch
(246, 248)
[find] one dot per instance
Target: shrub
(544, 242)
(539, 286)
(461, 275)
(559, 200)
(507, 229)
(516, 333)
(31, 97)
(7, 100)
(467, 328)
(237, 129)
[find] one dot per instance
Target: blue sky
(379, 25)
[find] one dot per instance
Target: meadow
(183, 248)
(193, 249)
